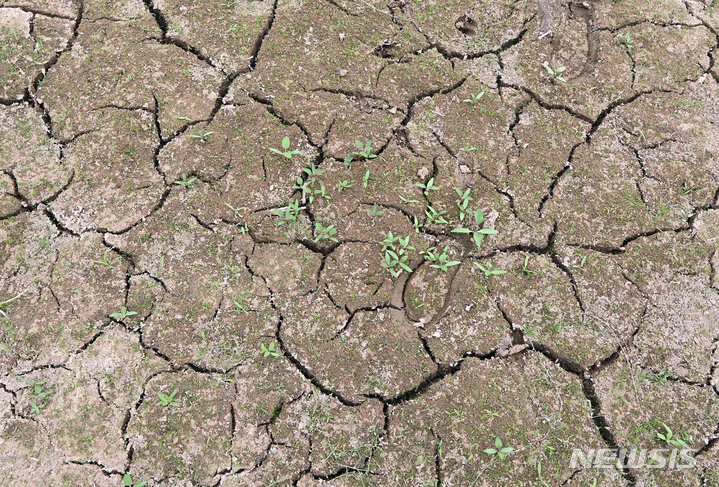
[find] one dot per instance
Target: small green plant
(184, 182)
(167, 400)
(430, 186)
(526, 271)
(236, 210)
(375, 211)
(539, 474)
(320, 192)
(581, 263)
(489, 270)
(499, 450)
(344, 185)
(626, 38)
(463, 201)
(441, 261)
(240, 306)
(668, 438)
(365, 179)
(325, 233)
(435, 216)
(415, 223)
(474, 98)
(38, 393)
(285, 152)
(104, 259)
(477, 236)
(467, 148)
(127, 481)
(365, 150)
(348, 161)
(36, 408)
(123, 313)
(395, 254)
(687, 188)
(201, 136)
(556, 73)
(306, 184)
(288, 213)
(269, 350)
(408, 200)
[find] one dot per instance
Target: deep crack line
(162, 23)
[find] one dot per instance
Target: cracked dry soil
(183, 306)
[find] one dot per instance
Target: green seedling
(375, 211)
(395, 263)
(240, 307)
(167, 400)
(289, 213)
(305, 185)
(415, 223)
(435, 216)
(398, 243)
(365, 150)
(38, 392)
(407, 200)
(581, 263)
(539, 474)
(325, 233)
(285, 152)
(269, 350)
(236, 210)
(35, 408)
(463, 201)
(687, 188)
(127, 481)
(348, 161)
(430, 186)
(184, 182)
(123, 313)
(312, 172)
(626, 38)
(365, 179)
(499, 450)
(201, 136)
(474, 98)
(187, 119)
(668, 438)
(441, 261)
(104, 259)
(395, 254)
(556, 73)
(489, 270)
(344, 185)
(479, 235)
(467, 148)
(526, 271)
(320, 192)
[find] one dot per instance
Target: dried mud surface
(183, 306)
